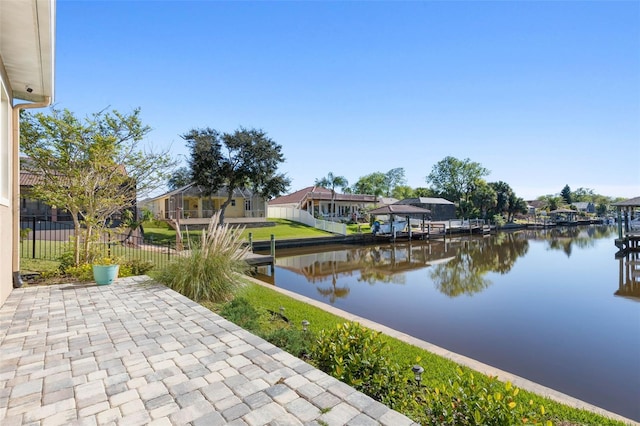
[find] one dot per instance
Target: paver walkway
(138, 353)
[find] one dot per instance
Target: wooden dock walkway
(629, 243)
(255, 259)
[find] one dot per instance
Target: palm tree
(331, 181)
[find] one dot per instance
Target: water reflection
(629, 284)
(456, 266)
(465, 273)
(566, 238)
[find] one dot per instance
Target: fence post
(251, 241)
(33, 239)
(273, 245)
(168, 251)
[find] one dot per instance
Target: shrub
(359, 357)
(208, 272)
(463, 401)
(24, 233)
(135, 267)
(82, 272)
(239, 311)
(67, 261)
(295, 341)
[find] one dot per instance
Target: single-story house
(585, 206)
(189, 202)
(319, 202)
(536, 207)
(27, 52)
(440, 208)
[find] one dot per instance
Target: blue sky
(541, 93)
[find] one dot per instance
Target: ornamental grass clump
(208, 270)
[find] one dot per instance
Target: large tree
(379, 183)
(503, 193)
(401, 192)
(332, 182)
(566, 194)
(484, 198)
(552, 201)
(424, 192)
(94, 167)
(372, 184)
(456, 180)
(394, 177)
(516, 205)
(179, 178)
(246, 158)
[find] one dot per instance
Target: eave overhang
(27, 40)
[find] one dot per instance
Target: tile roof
(30, 179)
(320, 193)
(194, 190)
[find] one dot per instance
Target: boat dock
(628, 227)
(629, 243)
(255, 259)
(442, 229)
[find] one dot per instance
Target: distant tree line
(567, 198)
(462, 182)
(459, 181)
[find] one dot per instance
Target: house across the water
(440, 208)
(320, 203)
(190, 203)
(585, 206)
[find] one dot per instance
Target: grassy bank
(282, 229)
(438, 370)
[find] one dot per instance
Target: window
(233, 203)
(247, 205)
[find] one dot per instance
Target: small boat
(388, 227)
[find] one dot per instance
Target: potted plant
(105, 270)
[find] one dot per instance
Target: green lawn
(282, 229)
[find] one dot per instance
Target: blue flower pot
(105, 274)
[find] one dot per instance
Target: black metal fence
(47, 240)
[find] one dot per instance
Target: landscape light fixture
(417, 372)
(305, 325)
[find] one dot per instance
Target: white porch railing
(302, 216)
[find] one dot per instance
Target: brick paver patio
(135, 353)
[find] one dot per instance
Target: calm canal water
(554, 306)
